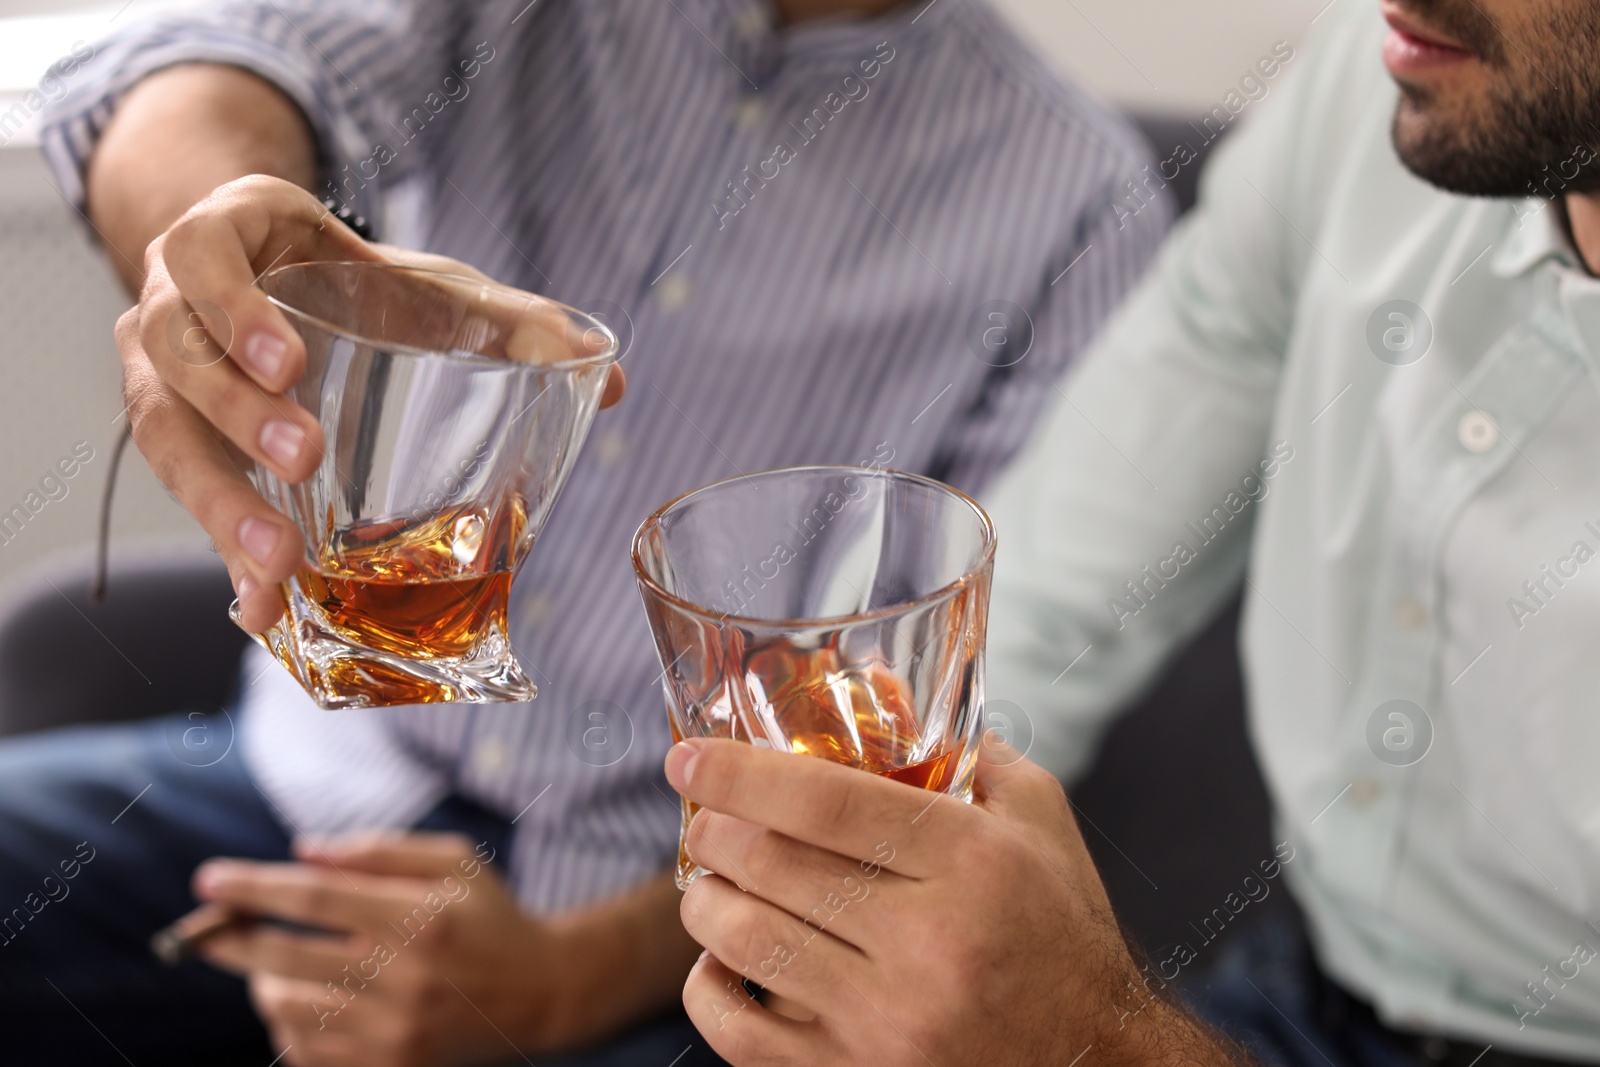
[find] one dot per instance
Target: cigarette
(179, 943)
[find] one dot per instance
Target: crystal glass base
(688, 871)
(339, 673)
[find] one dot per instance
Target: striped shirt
(844, 241)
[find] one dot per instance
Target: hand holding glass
(832, 611)
(453, 410)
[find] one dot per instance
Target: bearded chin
(1519, 149)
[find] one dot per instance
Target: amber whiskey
(406, 595)
(862, 716)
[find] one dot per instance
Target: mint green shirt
(1420, 534)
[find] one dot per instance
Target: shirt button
(752, 21)
(748, 113)
(1364, 791)
(1411, 615)
(491, 758)
(536, 609)
(611, 448)
(673, 292)
(1478, 432)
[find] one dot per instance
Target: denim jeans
(100, 830)
(1266, 991)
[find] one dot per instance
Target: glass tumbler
(453, 409)
(831, 611)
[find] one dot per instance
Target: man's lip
(1399, 23)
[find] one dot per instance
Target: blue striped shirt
(813, 240)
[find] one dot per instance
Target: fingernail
(264, 353)
(680, 765)
(282, 441)
(245, 589)
(259, 538)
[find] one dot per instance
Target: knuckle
(169, 470)
(1039, 780)
(696, 840)
(148, 333)
(148, 403)
(155, 316)
(314, 900)
(972, 849)
(154, 253)
(752, 938)
(230, 394)
(741, 1046)
(774, 859)
(716, 777)
(128, 326)
(186, 234)
(257, 185)
(691, 908)
(249, 183)
(832, 810)
(745, 1045)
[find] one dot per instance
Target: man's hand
(900, 927)
(207, 359)
(427, 959)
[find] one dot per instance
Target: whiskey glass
(453, 409)
(838, 612)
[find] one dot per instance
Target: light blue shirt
(1417, 519)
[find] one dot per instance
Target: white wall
(60, 379)
(1162, 55)
(59, 376)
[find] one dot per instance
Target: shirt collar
(1533, 235)
(844, 36)
(1579, 293)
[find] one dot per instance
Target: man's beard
(1542, 110)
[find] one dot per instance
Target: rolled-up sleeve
(355, 69)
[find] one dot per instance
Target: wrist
(568, 976)
(1159, 1033)
(222, 121)
(1140, 1024)
(613, 964)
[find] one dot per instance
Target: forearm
(1143, 1023)
(1166, 1035)
(624, 960)
(176, 136)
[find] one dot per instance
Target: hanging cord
(97, 589)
